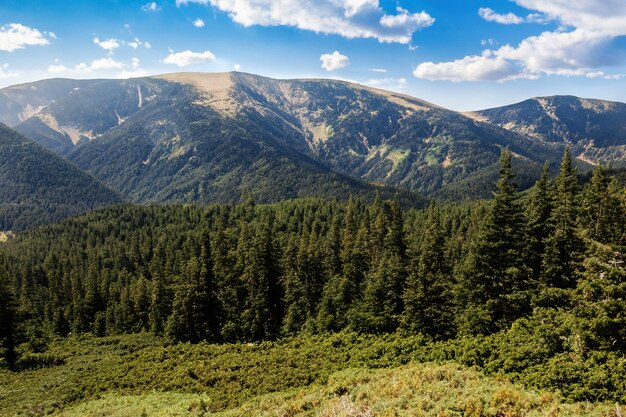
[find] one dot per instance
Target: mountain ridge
(211, 137)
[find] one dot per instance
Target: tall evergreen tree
(8, 315)
(494, 279)
(601, 213)
(428, 298)
(564, 247)
(261, 314)
(538, 226)
(191, 319)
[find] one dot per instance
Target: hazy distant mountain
(595, 129)
(20, 102)
(37, 186)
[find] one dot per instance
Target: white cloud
(383, 70)
(151, 7)
(16, 36)
(5, 73)
(584, 45)
(107, 44)
(387, 83)
(470, 68)
(185, 58)
(348, 18)
(133, 71)
(511, 18)
(604, 16)
(136, 43)
(199, 23)
(102, 65)
(99, 65)
(334, 61)
(504, 19)
(237, 67)
(57, 69)
(556, 53)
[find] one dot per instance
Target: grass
(339, 375)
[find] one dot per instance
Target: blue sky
(461, 54)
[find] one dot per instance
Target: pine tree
(160, 300)
(213, 310)
(191, 318)
(538, 226)
(261, 314)
(494, 278)
(294, 301)
(600, 214)
(380, 308)
(428, 299)
(564, 247)
(8, 315)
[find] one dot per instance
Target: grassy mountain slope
(596, 129)
(178, 149)
(390, 138)
(37, 186)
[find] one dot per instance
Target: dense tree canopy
(519, 263)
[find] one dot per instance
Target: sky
(460, 54)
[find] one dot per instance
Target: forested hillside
(528, 284)
(38, 187)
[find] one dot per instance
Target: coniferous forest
(532, 284)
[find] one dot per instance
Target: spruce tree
(261, 314)
(601, 213)
(8, 315)
(191, 319)
(538, 226)
(564, 247)
(494, 278)
(428, 298)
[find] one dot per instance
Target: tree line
(249, 272)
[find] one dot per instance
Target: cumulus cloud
(107, 44)
(387, 83)
(348, 18)
(562, 52)
(586, 43)
(237, 67)
(99, 65)
(102, 65)
(136, 43)
(334, 61)
(5, 73)
(606, 16)
(199, 23)
(383, 70)
(151, 7)
(511, 18)
(470, 68)
(133, 71)
(17, 36)
(186, 58)
(504, 19)
(57, 68)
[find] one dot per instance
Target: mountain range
(199, 137)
